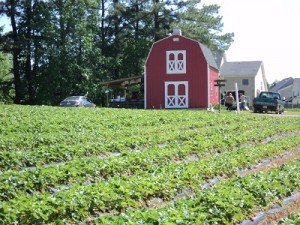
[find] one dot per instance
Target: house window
(245, 82)
(176, 62)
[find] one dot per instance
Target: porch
(125, 92)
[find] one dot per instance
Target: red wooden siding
(214, 90)
(197, 72)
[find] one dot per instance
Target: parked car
(268, 101)
(77, 101)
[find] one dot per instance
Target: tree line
(65, 47)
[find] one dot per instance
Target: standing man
(243, 101)
(229, 101)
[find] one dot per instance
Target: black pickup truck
(268, 101)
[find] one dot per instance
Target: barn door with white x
(176, 94)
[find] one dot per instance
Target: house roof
(208, 56)
(282, 84)
(220, 57)
(240, 68)
(297, 82)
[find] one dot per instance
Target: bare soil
(273, 216)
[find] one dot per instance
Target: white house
(249, 76)
(289, 88)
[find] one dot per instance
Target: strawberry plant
(61, 165)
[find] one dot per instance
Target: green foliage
(6, 89)
(115, 166)
(292, 219)
(205, 25)
(64, 47)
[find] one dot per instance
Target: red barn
(180, 73)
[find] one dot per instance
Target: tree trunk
(63, 27)
(137, 21)
(28, 71)
(102, 25)
(156, 21)
(116, 71)
(16, 52)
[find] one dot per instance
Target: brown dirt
(274, 163)
(280, 160)
(275, 217)
(271, 218)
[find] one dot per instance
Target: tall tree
(28, 14)
(10, 8)
(63, 47)
(70, 48)
(203, 23)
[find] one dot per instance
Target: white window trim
(176, 66)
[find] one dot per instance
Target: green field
(122, 166)
(292, 219)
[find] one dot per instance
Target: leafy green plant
(61, 165)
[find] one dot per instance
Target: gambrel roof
(241, 68)
(208, 56)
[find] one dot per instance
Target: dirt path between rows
(289, 205)
(270, 217)
(275, 215)
(278, 161)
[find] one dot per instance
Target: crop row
(231, 201)
(37, 125)
(122, 191)
(30, 136)
(117, 162)
(292, 219)
(92, 169)
(212, 137)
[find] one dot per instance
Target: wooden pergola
(123, 83)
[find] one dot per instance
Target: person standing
(242, 101)
(229, 101)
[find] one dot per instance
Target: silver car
(77, 101)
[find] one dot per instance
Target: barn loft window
(176, 62)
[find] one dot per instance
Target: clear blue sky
(266, 30)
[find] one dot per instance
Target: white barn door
(176, 94)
